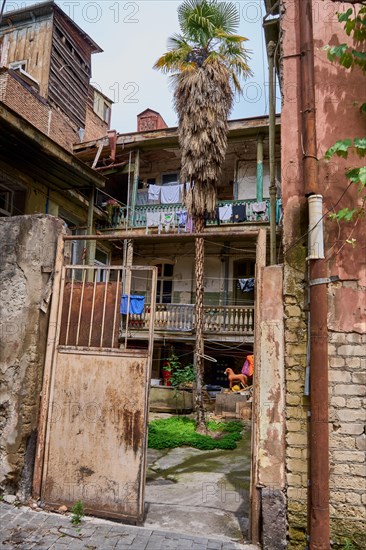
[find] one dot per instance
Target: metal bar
(104, 307)
(57, 298)
(50, 402)
(93, 304)
(70, 302)
(272, 160)
(128, 272)
(135, 185)
(115, 309)
(80, 308)
(260, 168)
(137, 236)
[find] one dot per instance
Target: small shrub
(77, 512)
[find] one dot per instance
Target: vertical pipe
(90, 245)
(2, 11)
(260, 168)
(272, 166)
(318, 501)
(135, 186)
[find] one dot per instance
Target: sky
(133, 35)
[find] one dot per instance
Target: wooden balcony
(180, 318)
(138, 219)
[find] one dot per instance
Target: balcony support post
(260, 168)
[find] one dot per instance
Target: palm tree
(206, 62)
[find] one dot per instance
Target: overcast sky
(134, 34)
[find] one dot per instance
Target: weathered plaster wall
(28, 246)
(336, 92)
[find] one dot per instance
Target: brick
(341, 469)
(292, 311)
(299, 349)
(350, 350)
(358, 469)
(294, 452)
(293, 426)
(354, 403)
(353, 498)
(349, 456)
(337, 337)
(361, 443)
(355, 429)
(292, 399)
(293, 438)
(351, 415)
(353, 338)
(296, 465)
(297, 493)
(342, 441)
(338, 401)
(295, 387)
(336, 496)
(359, 378)
(337, 362)
(350, 389)
(339, 376)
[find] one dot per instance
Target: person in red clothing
(166, 372)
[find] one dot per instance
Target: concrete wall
(337, 91)
(28, 248)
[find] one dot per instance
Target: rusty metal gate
(93, 423)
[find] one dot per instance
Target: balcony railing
(254, 212)
(181, 318)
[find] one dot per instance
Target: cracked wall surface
(28, 250)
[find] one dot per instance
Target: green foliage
(78, 512)
(208, 32)
(180, 431)
(354, 22)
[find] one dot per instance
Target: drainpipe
(2, 11)
(135, 186)
(90, 245)
(318, 502)
(272, 166)
(260, 168)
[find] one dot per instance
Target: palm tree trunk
(199, 350)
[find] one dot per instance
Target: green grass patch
(179, 431)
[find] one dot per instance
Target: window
(6, 201)
(164, 289)
(169, 178)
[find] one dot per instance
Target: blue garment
(137, 304)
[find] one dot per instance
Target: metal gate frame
(50, 370)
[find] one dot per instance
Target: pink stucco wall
(337, 91)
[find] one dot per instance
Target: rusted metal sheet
(97, 434)
(77, 332)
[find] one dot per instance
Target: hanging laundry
(142, 198)
(167, 219)
(225, 212)
(170, 194)
(259, 207)
(154, 192)
(152, 219)
(239, 213)
(135, 302)
(246, 285)
(190, 225)
(182, 218)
